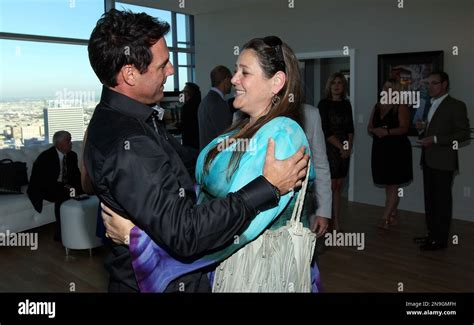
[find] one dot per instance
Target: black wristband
(277, 191)
(259, 195)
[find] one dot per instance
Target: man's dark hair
(443, 76)
(194, 90)
(121, 38)
(219, 74)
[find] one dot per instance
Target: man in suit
(446, 126)
(322, 183)
(55, 177)
(214, 113)
(321, 190)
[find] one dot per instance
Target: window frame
(174, 50)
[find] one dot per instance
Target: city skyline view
(45, 68)
(33, 74)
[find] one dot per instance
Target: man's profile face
(436, 88)
(150, 85)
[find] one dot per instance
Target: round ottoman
(79, 223)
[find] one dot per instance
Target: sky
(37, 69)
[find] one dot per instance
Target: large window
(39, 75)
(44, 65)
(40, 70)
(44, 62)
(185, 40)
(62, 18)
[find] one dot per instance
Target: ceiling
(196, 7)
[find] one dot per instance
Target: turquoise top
(288, 137)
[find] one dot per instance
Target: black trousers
(58, 195)
(438, 202)
(117, 287)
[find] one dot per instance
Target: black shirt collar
(125, 105)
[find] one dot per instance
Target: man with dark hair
(443, 77)
(214, 113)
(55, 177)
(445, 127)
(219, 76)
(136, 167)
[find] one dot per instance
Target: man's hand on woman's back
(286, 174)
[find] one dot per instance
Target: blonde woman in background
(338, 128)
(391, 151)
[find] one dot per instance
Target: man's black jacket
(45, 173)
(137, 170)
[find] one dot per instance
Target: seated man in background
(55, 177)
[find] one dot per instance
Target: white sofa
(16, 211)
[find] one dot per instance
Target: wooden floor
(48, 269)
(390, 258)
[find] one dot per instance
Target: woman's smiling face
(253, 90)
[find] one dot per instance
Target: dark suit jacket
(190, 123)
(214, 117)
(449, 123)
(45, 173)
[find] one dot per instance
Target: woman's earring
(275, 100)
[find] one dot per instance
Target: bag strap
(296, 216)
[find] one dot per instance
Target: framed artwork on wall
(412, 71)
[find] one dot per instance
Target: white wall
(372, 27)
(319, 83)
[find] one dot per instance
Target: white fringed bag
(277, 261)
